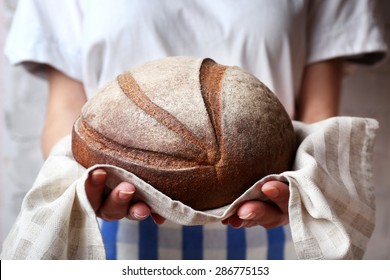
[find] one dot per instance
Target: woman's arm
(320, 91)
(66, 97)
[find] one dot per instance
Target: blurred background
(365, 93)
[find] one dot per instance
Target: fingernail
(97, 177)
(99, 171)
(125, 195)
(139, 217)
(248, 216)
(271, 191)
(238, 226)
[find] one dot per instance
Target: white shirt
(93, 41)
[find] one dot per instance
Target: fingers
(262, 213)
(139, 211)
(268, 215)
(278, 192)
(157, 218)
(118, 204)
(253, 213)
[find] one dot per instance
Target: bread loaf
(200, 132)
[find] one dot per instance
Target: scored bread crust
(200, 132)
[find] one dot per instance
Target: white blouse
(93, 41)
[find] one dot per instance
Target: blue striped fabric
(148, 240)
(109, 232)
(192, 247)
(276, 242)
(236, 243)
(192, 244)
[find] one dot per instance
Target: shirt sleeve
(342, 28)
(46, 33)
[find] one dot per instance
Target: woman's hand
(118, 204)
(266, 214)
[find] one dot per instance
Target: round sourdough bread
(199, 132)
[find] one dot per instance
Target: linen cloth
(331, 204)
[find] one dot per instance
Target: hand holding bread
(250, 213)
